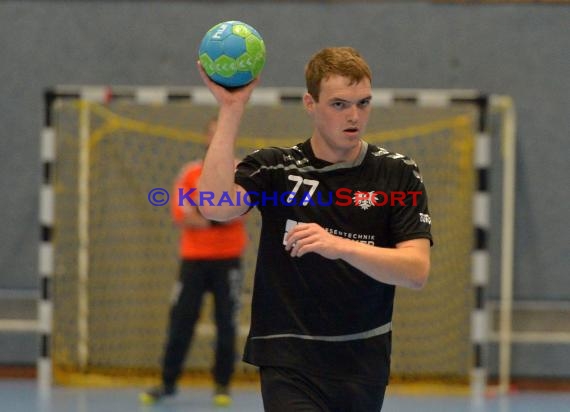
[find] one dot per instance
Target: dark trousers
(290, 390)
(223, 279)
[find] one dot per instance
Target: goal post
(109, 257)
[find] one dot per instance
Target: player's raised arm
(217, 177)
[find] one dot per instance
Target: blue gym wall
(518, 50)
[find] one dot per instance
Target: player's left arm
(405, 265)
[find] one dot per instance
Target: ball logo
(218, 33)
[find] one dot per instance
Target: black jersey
(320, 315)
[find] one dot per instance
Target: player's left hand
(310, 237)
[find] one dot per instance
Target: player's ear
(308, 102)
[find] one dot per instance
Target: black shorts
(290, 390)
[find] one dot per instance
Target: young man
(343, 224)
(210, 255)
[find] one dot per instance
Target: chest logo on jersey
(365, 200)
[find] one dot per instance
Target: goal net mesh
(111, 308)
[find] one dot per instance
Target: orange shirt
(224, 241)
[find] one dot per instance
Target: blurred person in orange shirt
(210, 254)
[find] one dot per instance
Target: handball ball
(232, 53)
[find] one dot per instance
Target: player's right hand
(225, 96)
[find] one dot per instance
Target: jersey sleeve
(252, 174)
(410, 217)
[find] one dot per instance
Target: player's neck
(334, 154)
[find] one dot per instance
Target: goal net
(115, 254)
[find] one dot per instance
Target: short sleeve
(252, 174)
(410, 217)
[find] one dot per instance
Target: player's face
(339, 117)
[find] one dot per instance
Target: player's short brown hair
(342, 61)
